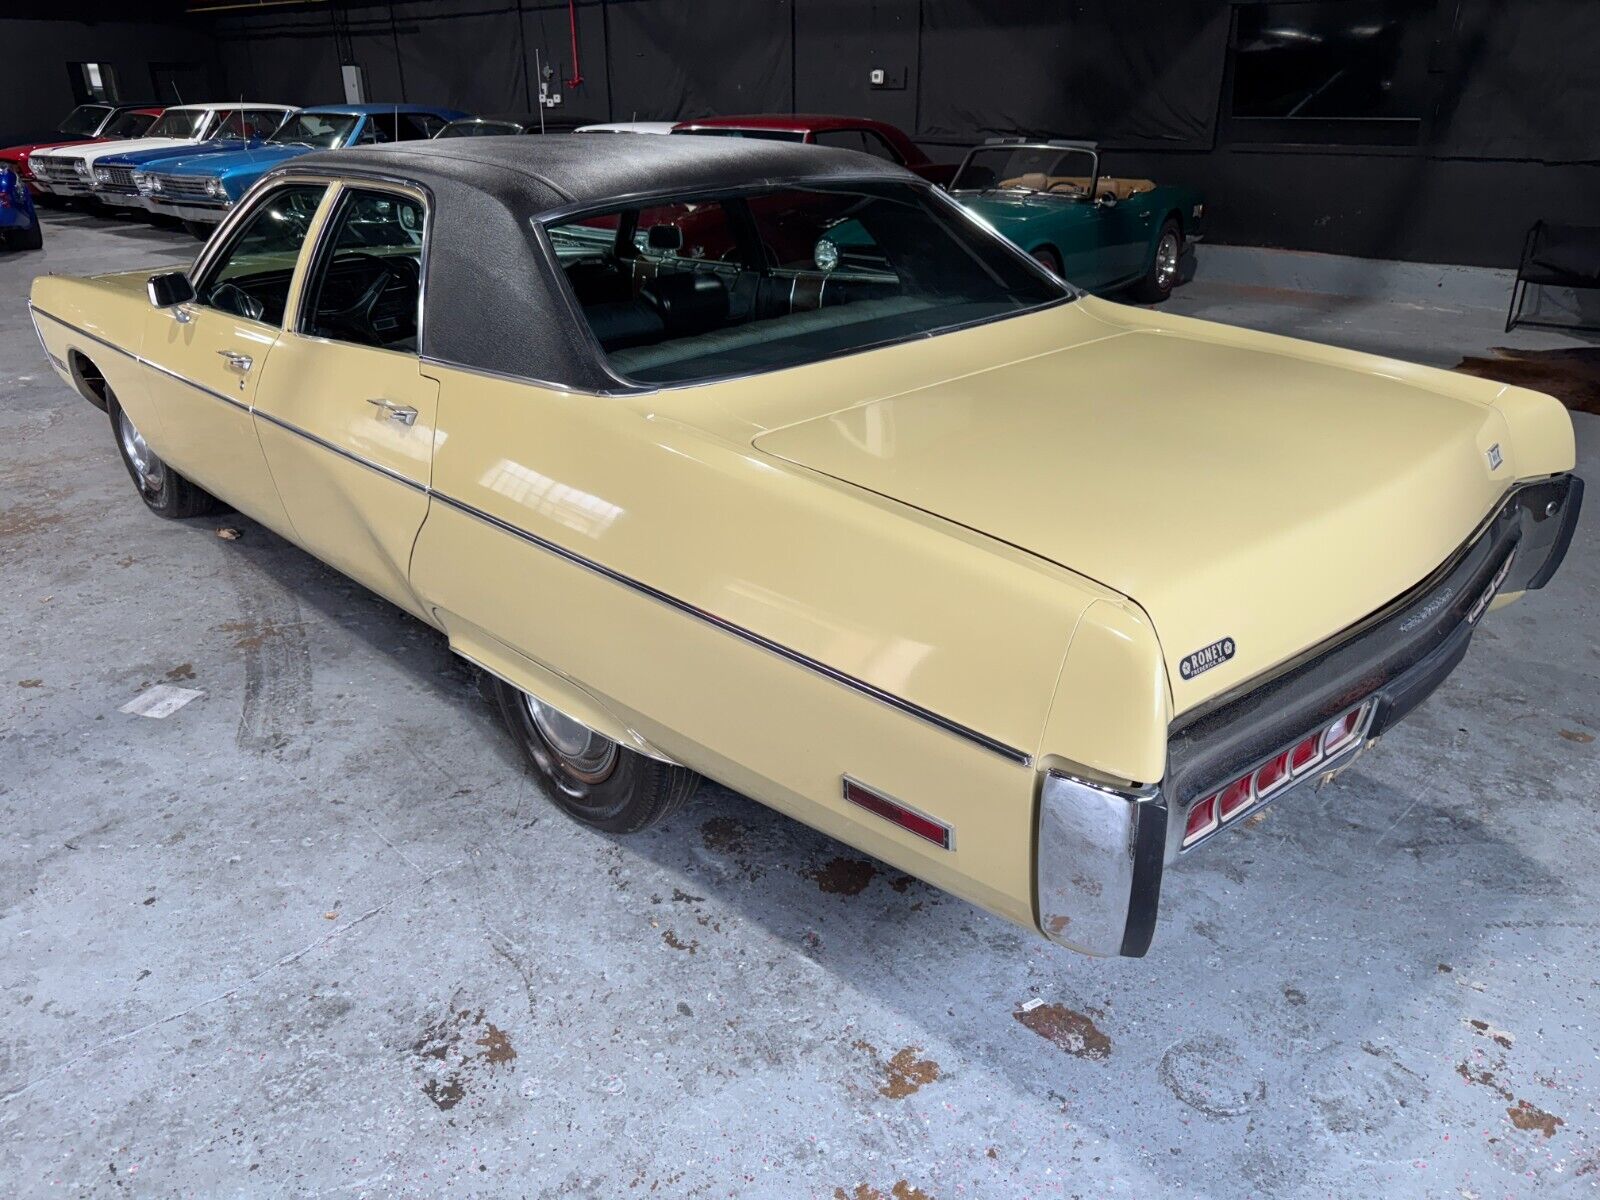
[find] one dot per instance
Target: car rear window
(701, 288)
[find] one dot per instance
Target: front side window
(179, 123)
(1046, 170)
(320, 131)
(366, 284)
(83, 120)
(251, 278)
(699, 288)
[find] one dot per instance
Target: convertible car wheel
(590, 777)
(199, 230)
(164, 491)
(1156, 286)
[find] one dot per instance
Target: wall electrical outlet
(887, 77)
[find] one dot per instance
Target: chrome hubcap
(152, 474)
(1167, 260)
(587, 754)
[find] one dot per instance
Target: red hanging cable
(572, 18)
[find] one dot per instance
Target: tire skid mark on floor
(276, 707)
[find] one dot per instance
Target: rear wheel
(31, 238)
(1162, 274)
(165, 492)
(590, 777)
(1049, 258)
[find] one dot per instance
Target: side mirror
(169, 290)
(1106, 200)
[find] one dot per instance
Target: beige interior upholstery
(1038, 181)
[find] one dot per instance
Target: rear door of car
(345, 415)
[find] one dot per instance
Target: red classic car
(842, 133)
(83, 125)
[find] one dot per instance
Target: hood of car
(129, 146)
(18, 153)
(137, 158)
(1234, 488)
(230, 162)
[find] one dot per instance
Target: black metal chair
(1565, 256)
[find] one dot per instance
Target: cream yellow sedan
(768, 463)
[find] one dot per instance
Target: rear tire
(165, 492)
(591, 778)
(1049, 259)
(1162, 274)
(31, 238)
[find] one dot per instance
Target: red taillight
(908, 819)
(1342, 732)
(1234, 798)
(1270, 776)
(1202, 820)
(1306, 755)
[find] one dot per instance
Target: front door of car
(206, 358)
(345, 415)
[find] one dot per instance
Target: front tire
(590, 777)
(31, 238)
(1162, 274)
(199, 230)
(165, 492)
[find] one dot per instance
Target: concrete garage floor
(317, 933)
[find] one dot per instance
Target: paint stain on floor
(899, 1190)
(452, 1055)
(1067, 1030)
(1571, 376)
(842, 876)
(1527, 1116)
(906, 1074)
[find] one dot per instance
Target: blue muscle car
(243, 128)
(19, 224)
(1103, 234)
(201, 189)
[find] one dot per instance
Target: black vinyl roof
(492, 298)
(574, 168)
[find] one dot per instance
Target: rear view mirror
(665, 236)
(172, 288)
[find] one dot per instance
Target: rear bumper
(1100, 852)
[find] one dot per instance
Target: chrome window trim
(324, 240)
(221, 242)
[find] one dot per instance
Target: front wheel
(199, 230)
(590, 777)
(1157, 283)
(165, 492)
(31, 238)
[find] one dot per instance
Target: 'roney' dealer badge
(1203, 659)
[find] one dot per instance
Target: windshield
(83, 120)
(129, 125)
(1045, 169)
(764, 135)
(475, 128)
(179, 123)
(324, 131)
(698, 288)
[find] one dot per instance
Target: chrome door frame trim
(379, 468)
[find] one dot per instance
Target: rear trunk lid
(1253, 502)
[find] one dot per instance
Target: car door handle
(403, 413)
(239, 362)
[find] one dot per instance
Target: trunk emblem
(1205, 658)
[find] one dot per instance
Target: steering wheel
(230, 297)
(355, 318)
(1062, 187)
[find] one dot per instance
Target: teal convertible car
(1102, 234)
